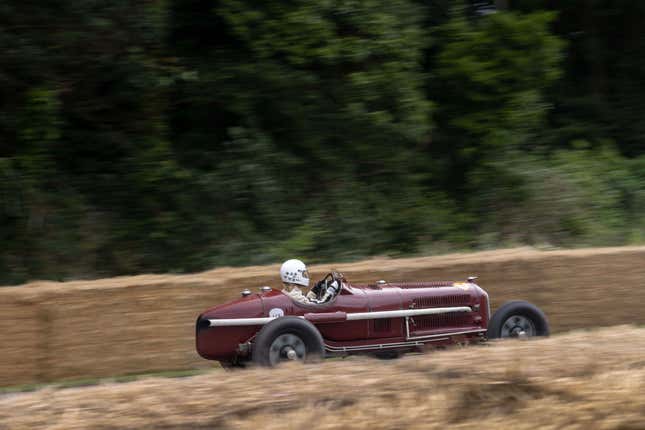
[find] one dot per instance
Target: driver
(294, 275)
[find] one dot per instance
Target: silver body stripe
(239, 321)
(350, 317)
(405, 313)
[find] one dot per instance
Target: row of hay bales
(86, 329)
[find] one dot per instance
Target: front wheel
(517, 319)
(287, 339)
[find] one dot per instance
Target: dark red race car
(384, 319)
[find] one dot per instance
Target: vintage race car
(384, 319)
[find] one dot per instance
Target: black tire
(289, 328)
(516, 319)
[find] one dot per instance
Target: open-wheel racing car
(383, 319)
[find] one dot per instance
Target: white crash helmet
(294, 272)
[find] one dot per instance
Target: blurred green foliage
(179, 136)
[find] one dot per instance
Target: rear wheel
(287, 339)
(517, 319)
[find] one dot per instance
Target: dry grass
(580, 380)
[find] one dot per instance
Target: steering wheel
(321, 287)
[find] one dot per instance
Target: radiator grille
(439, 301)
(430, 322)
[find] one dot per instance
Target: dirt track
(582, 380)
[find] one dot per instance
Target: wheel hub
(291, 354)
(518, 326)
(287, 347)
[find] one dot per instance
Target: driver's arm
(316, 291)
(330, 291)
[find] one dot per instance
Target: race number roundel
(276, 312)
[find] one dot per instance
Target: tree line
(184, 135)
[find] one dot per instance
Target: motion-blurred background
(179, 136)
(183, 135)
